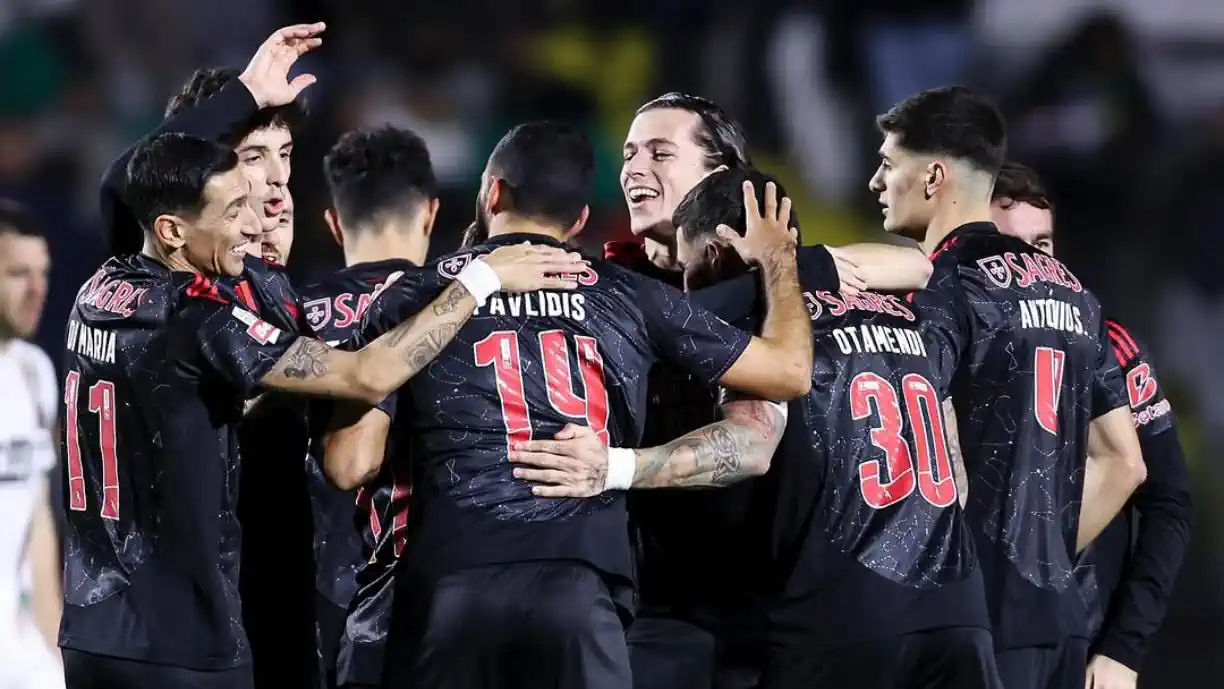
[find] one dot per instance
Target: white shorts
(26, 662)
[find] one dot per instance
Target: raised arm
(381, 367)
(777, 365)
(576, 464)
(264, 83)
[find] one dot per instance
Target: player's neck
(951, 216)
(662, 254)
(173, 261)
(384, 247)
(502, 226)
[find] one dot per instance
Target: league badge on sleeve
(452, 266)
(261, 331)
(318, 312)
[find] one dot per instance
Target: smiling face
(215, 242)
(662, 163)
(264, 156)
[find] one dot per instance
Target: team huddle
(713, 458)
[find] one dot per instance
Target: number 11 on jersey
(102, 403)
(501, 351)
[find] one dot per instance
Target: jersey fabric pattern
(348, 525)
(1127, 574)
(1024, 347)
(522, 367)
(860, 504)
(333, 308)
(157, 364)
(669, 550)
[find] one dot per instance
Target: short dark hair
(168, 173)
(719, 200)
(374, 171)
(548, 168)
(720, 136)
(16, 218)
(206, 83)
(1021, 184)
(953, 121)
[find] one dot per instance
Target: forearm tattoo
(954, 451)
(421, 338)
(305, 359)
(719, 454)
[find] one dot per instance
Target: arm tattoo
(719, 454)
(306, 359)
(419, 347)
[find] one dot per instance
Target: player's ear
(333, 226)
(496, 201)
(431, 215)
(170, 230)
(580, 223)
(936, 175)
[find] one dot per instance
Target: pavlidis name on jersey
(568, 305)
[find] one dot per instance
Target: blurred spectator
(1085, 118)
(910, 46)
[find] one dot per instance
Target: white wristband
(622, 466)
(480, 280)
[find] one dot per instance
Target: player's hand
(529, 267)
(767, 231)
(848, 273)
(267, 74)
(572, 465)
(1107, 673)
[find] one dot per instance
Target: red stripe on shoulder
(203, 288)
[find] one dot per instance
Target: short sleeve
(1108, 381)
(946, 322)
(234, 343)
(687, 334)
(1150, 408)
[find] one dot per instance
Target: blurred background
(1119, 105)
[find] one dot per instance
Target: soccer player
(384, 202)
(1127, 575)
(28, 411)
(692, 620)
(511, 590)
(1024, 350)
(158, 363)
(860, 520)
(253, 111)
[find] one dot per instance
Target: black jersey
(158, 364)
(1025, 349)
(1127, 574)
(858, 516)
(333, 308)
(521, 368)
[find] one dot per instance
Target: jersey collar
(519, 237)
(969, 228)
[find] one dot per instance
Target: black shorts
(88, 671)
(952, 658)
(1062, 666)
(671, 653)
(522, 625)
